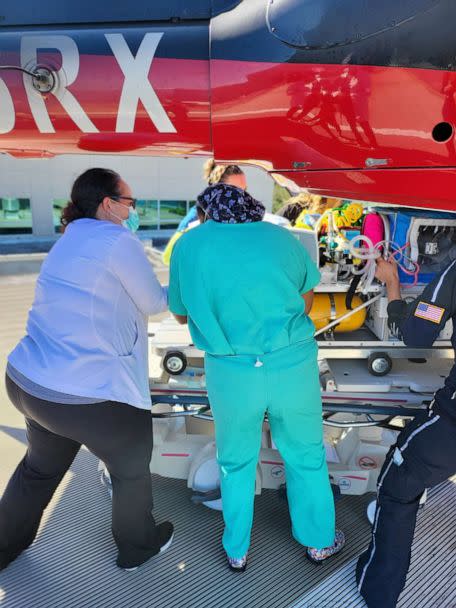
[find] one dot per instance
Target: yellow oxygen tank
(327, 307)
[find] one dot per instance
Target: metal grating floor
(72, 562)
(71, 565)
(430, 582)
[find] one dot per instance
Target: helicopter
(346, 98)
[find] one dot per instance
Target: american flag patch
(429, 312)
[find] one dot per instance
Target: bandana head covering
(230, 205)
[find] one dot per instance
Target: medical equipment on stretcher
(349, 214)
(345, 243)
(429, 239)
(329, 306)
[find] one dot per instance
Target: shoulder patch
(429, 312)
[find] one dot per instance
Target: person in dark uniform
(425, 452)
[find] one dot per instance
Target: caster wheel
(175, 363)
(206, 485)
(379, 364)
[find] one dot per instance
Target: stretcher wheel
(206, 483)
(379, 364)
(175, 363)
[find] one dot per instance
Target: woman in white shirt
(80, 375)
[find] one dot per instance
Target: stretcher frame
(360, 344)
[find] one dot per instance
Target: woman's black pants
(117, 433)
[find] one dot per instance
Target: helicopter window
(324, 24)
(442, 131)
(15, 216)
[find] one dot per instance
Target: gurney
(362, 415)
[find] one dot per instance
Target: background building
(33, 191)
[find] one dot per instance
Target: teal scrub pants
(285, 384)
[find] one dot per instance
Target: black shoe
(165, 535)
(165, 539)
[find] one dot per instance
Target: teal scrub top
(240, 286)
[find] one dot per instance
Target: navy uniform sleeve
(419, 323)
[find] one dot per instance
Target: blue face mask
(132, 223)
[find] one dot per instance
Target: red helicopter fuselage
(337, 99)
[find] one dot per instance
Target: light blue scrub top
(240, 286)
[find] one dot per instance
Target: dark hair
(88, 191)
(232, 170)
(295, 205)
(291, 211)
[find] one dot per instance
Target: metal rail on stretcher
(194, 402)
(354, 347)
(360, 344)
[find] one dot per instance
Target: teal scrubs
(241, 287)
